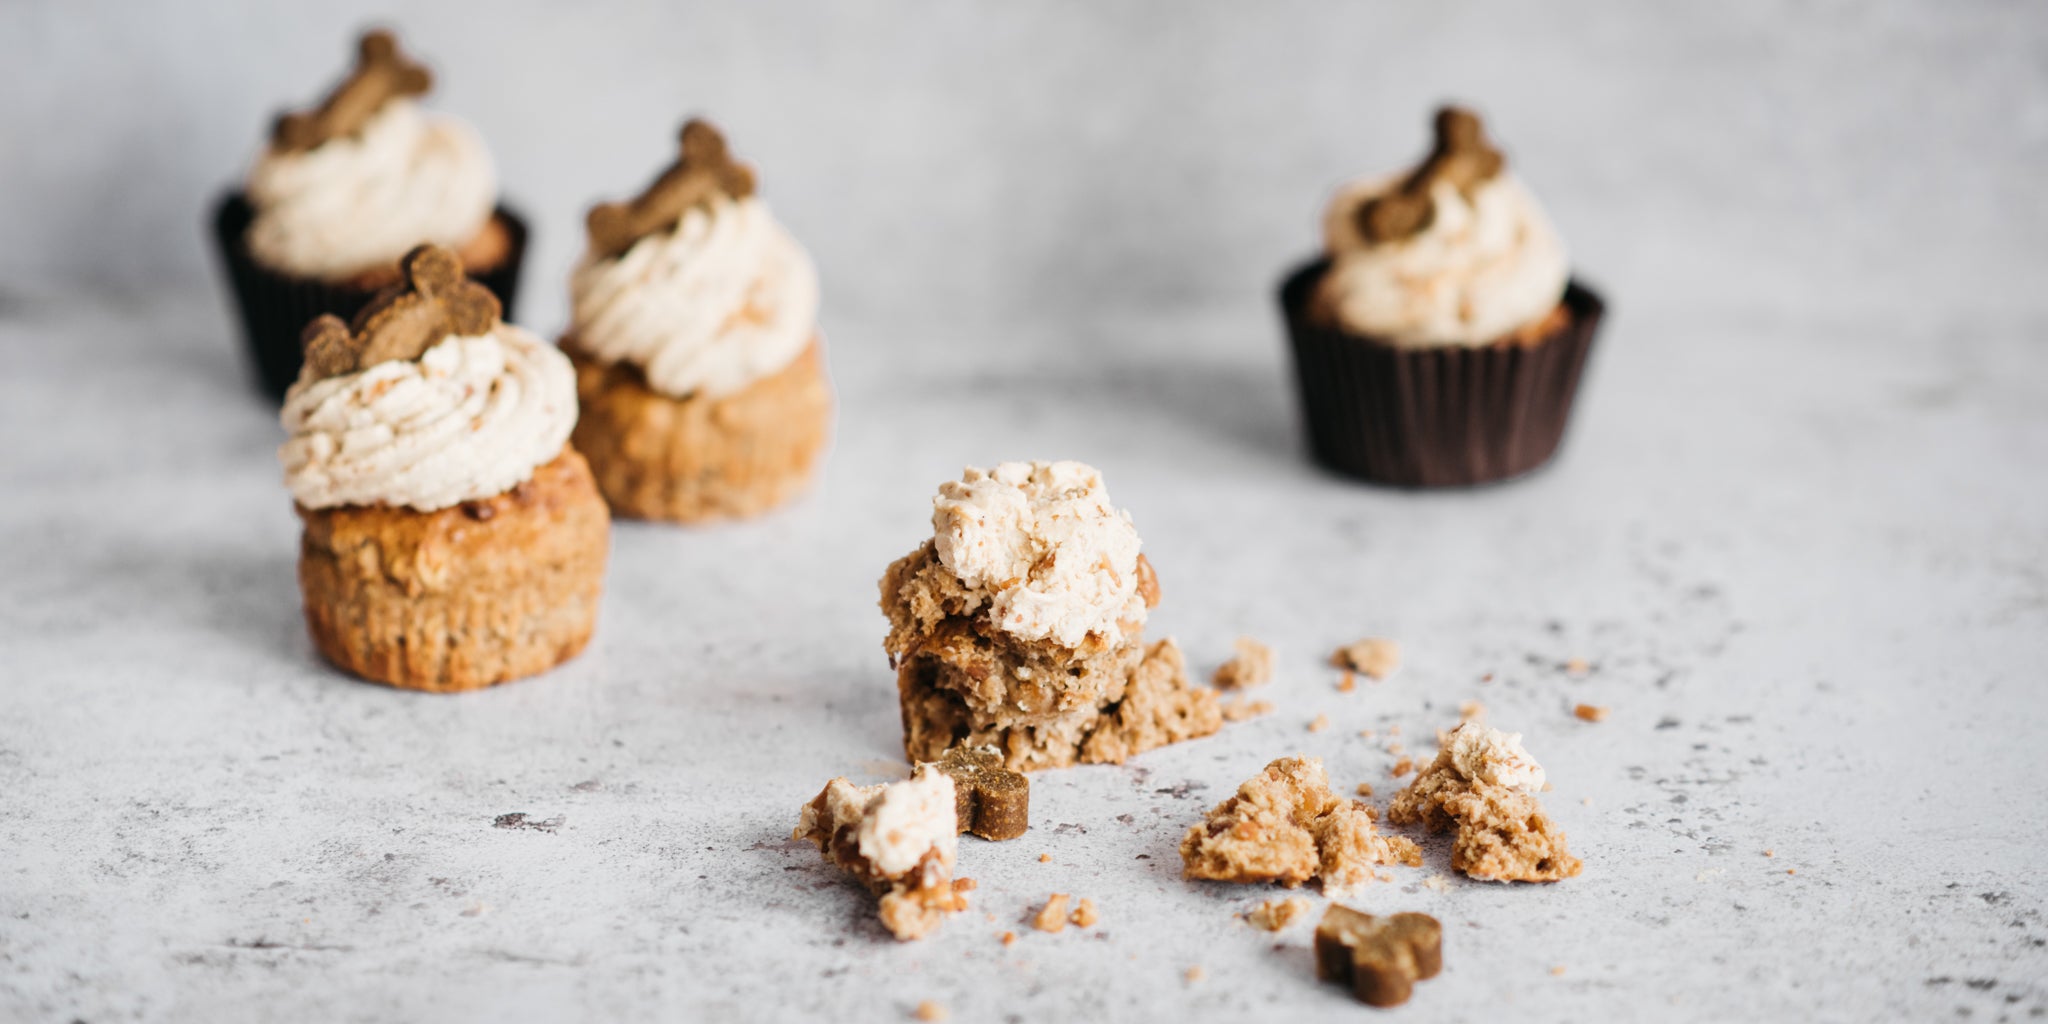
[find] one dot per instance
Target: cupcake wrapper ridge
(1449, 416)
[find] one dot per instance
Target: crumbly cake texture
(1379, 958)
(1286, 825)
(1250, 665)
(963, 681)
(1484, 785)
(465, 597)
(899, 840)
(990, 800)
(699, 459)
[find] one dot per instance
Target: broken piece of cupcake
(1484, 785)
(901, 839)
(1020, 625)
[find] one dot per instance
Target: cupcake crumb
(1195, 974)
(1276, 915)
(1576, 667)
(1348, 682)
(1084, 915)
(1053, 916)
(1320, 723)
(1251, 665)
(1377, 657)
(1365, 789)
(1240, 709)
(1402, 767)
(1471, 709)
(930, 1011)
(1590, 713)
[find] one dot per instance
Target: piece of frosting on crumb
(1489, 756)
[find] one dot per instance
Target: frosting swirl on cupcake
(470, 419)
(1057, 560)
(1457, 253)
(720, 301)
(361, 201)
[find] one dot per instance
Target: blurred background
(970, 166)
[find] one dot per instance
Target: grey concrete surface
(1799, 533)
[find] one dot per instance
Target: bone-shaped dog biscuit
(992, 801)
(434, 301)
(382, 73)
(1461, 157)
(1380, 958)
(705, 169)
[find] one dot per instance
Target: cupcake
(1440, 338)
(693, 327)
(1020, 625)
(346, 188)
(452, 539)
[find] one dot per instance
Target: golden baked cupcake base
(465, 597)
(697, 459)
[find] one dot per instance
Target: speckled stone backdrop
(1799, 533)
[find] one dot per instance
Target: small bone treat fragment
(1053, 916)
(1275, 915)
(1252, 665)
(1373, 656)
(1379, 958)
(898, 839)
(1484, 784)
(1285, 825)
(993, 802)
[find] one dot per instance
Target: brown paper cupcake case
(1434, 417)
(275, 307)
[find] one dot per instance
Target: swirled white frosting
(1055, 558)
(1482, 269)
(471, 418)
(361, 201)
(724, 299)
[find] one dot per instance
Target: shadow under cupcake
(1440, 339)
(341, 192)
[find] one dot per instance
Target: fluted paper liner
(1446, 416)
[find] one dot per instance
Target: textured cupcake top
(1454, 252)
(1042, 543)
(694, 281)
(1489, 757)
(426, 401)
(356, 182)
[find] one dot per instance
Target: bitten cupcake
(452, 537)
(346, 188)
(1440, 339)
(693, 327)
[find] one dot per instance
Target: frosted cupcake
(342, 190)
(452, 537)
(1440, 339)
(693, 327)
